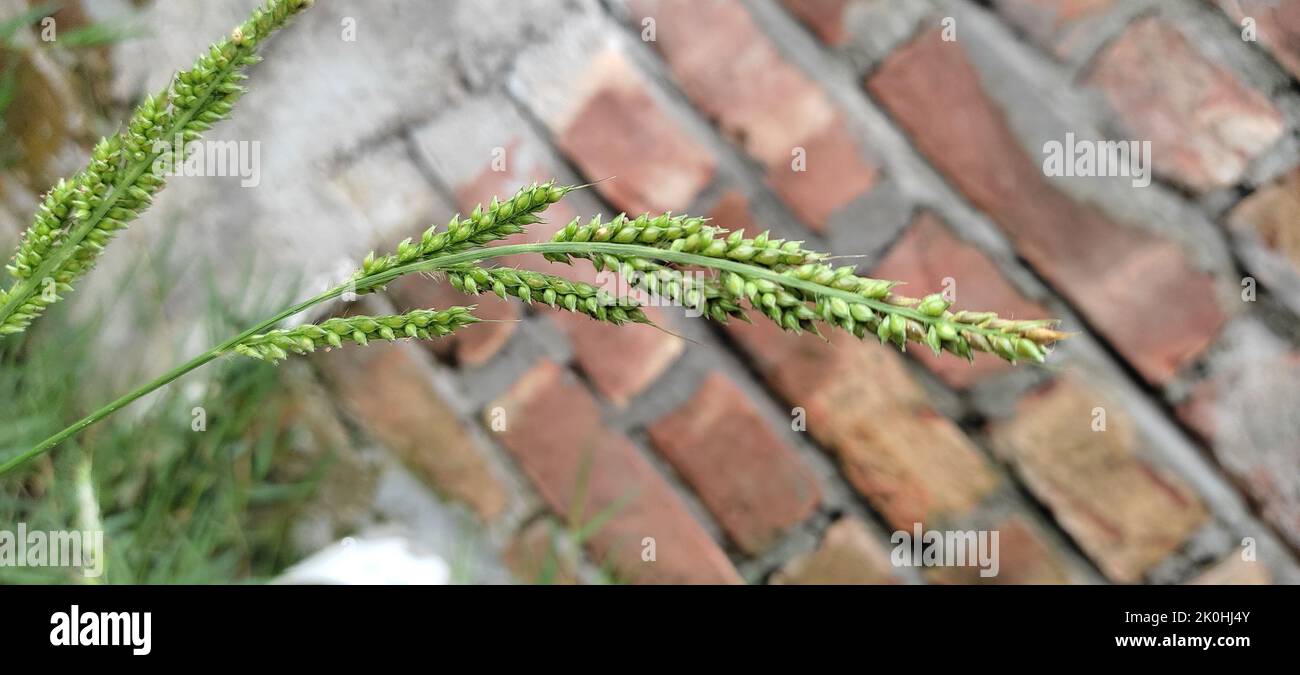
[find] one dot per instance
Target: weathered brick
(824, 17)
(619, 130)
(539, 554)
(913, 464)
(584, 471)
(752, 482)
(1053, 24)
(1204, 125)
(1272, 217)
(1125, 513)
(1023, 558)
(732, 212)
(833, 174)
(734, 74)
(714, 49)
(1233, 571)
(1197, 410)
(928, 85)
(1247, 415)
(848, 554)
(388, 391)
(1277, 26)
(928, 254)
(621, 361)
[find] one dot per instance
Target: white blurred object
(387, 560)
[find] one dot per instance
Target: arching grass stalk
(165, 379)
(793, 287)
(883, 308)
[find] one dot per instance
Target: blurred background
(1160, 445)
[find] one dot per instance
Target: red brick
(621, 361)
(1204, 125)
(913, 464)
(1197, 410)
(388, 391)
(732, 212)
(751, 481)
(1272, 216)
(1233, 571)
(554, 430)
(1053, 24)
(620, 131)
(832, 176)
(1023, 558)
(928, 253)
(848, 554)
(733, 73)
(1247, 415)
(1277, 27)
(538, 554)
(715, 51)
(1137, 289)
(824, 17)
(1125, 513)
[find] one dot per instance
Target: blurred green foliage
(176, 504)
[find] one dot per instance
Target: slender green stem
(381, 279)
(163, 380)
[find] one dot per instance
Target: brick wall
(1152, 445)
(922, 154)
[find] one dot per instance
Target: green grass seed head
(79, 216)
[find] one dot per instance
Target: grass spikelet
(79, 216)
(804, 292)
(420, 324)
(556, 292)
(662, 231)
(687, 234)
(496, 221)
